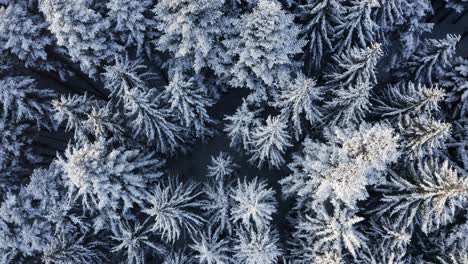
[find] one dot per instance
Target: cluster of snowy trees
(361, 111)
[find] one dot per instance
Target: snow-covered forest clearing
(234, 131)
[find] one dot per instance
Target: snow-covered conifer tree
(108, 179)
(25, 36)
(408, 99)
(358, 27)
(321, 19)
(22, 101)
(241, 125)
(300, 100)
(81, 30)
(430, 193)
(196, 37)
(267, 41)
(423, 136)
(355, 66)
(189, 101)
(253, 204)
(257, 247)
(341, 168)
(171, 207)
(130, 22)
(430, 59)
(270, 141)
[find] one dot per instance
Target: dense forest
(234, 131)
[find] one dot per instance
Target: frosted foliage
(321, 19)
(355, 66)
(221, 166)
(409, 99)
(253, 204)
(211, 249)
(240, 126)
(430, 193)
(431, 57)
(300, 101)
(342, 168)
(129, 22)
(332, 231)
(257, 247)
(23, 35)
(189, 100)
(267, 41)
(218, 204)
(357, 26)
(197, 34)
(111, 179)
(133, 238)
(424, 136)
(21, 101)
(269, 142)
(81, 30)
(455, 79)
(350, 105)
(67, 249)
(171, 206)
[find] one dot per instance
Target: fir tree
(257, 247)
(130, 23)
(197, 34)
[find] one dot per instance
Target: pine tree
(130, 23)
(321, 19)
(81, 30)
(253, 204)
(300, 100)
(171, 209)
(358, 27)
(197, 35)
(241, 125)
(22, 101)
(408, 99)
(430, 193)
(270, 141)
(341, 168)
(109, 179)
(355, 66)
(267, 41)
